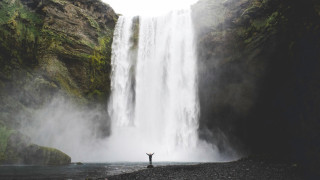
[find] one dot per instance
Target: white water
(154, 105)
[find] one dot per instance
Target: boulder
(17, 148)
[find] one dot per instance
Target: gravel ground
(246, 169)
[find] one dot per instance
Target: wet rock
(18, 149)
(238, 170)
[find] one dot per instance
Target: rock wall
(259, 76)
(53, 47)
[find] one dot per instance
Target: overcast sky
(147, 7)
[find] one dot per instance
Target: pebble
(238, 170)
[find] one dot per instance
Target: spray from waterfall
(154, 105)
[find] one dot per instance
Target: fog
(73, 129)
(90, 135)
(155, 107)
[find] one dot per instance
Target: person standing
(150, 157)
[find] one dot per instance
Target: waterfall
(154, 105)
(122, 103)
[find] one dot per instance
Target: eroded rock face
(259, 68)
(49, 48)
(68, 43)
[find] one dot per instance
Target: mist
(76, 130)
(154, 102)
(94, 135)
(227, 92)
(73, 129)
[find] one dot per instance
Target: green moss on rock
(5, 133)
(100, 68)
(16, 148)
(77, 37)
(47, 48)
(45, 156)
(18, 31)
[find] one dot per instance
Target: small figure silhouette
(150, 157)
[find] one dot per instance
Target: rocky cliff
(52, 47)
(259, 76)
(258, 63)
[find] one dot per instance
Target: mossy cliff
(53, 47)
(259, 76)
(67, 42)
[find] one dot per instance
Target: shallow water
(73, 171)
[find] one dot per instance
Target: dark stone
(150, 166)
(259, 77)
(249, 168)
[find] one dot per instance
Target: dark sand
(246, 169)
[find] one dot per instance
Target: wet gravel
(246, 169)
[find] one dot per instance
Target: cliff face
(67, 42)
(53, 47)
(259, 76)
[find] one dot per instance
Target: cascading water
(154, 104)
(121, 106)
